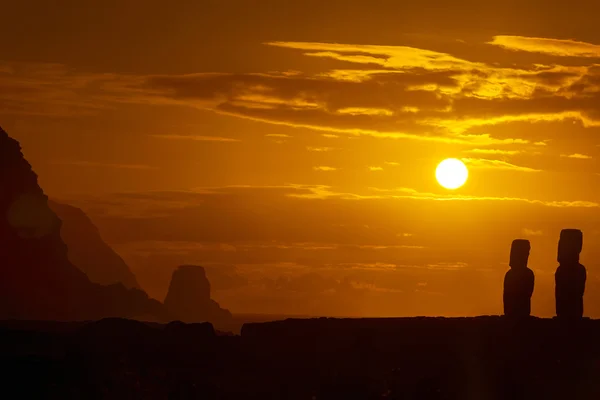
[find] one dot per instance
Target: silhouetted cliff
(37, 280)
(189, 297)
(88, 251)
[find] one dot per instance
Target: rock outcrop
(189, 297)
(87, 251)
(37, 280)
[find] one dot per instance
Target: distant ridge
(87, 251)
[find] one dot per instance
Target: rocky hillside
(37, 279)
(87, 251)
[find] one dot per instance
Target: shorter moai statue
(518, 281)
(570, 275)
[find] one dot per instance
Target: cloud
(311, 246)
(376, 266)
(325, 168)
(408, 193)
(287, 246)
(156, 204)
(448, 266)
(392, 163)
(196, 138)
(555, 47)
(319, 149)
(330, 136)
(456, 138)
(493, 151)
(46, 89)
(577, 156)
(401, 104)
(176, 247)
(532, 232)
(460, 125)
(382, 266)
(496, 164)
(105, 165)
(385, 56)
(397, 92)
(278, 135)
(375, 168)
(383, 247)
(365, 111)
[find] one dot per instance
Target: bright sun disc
(451, 173)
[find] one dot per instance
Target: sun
(451, 173)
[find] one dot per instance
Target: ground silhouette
(189, 299)
(570, 275)
(87, 251)
(326, 358)
(518, 281)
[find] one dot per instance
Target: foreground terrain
(394, 358)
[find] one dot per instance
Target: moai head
(519, 253)
(569, 245)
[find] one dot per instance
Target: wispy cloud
(532, 232)
(382, 266)
(385, 56)
(196, 138)
(324, 192)
(365, 111)
(325, 168)
(104, 165)
(461, 125)
(392, 163)
(372, 168)
(374, 266)
(448, 266)
(493, 151)
(398, 92)
(408, 193)
(578, 156)
(319, 149)
(278, 135)
(328, 246)
(555, 47)
(496, 164)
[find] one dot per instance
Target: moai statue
(518, 281)
(570, 275)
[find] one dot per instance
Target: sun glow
(451, 173)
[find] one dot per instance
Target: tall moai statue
(570, 275)
(518, 281)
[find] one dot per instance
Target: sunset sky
(290, 147)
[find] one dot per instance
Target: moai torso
(518, 281)
(570, 275)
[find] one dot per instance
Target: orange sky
(291, 148)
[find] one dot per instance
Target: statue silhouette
(570, 275)
(518, 281)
